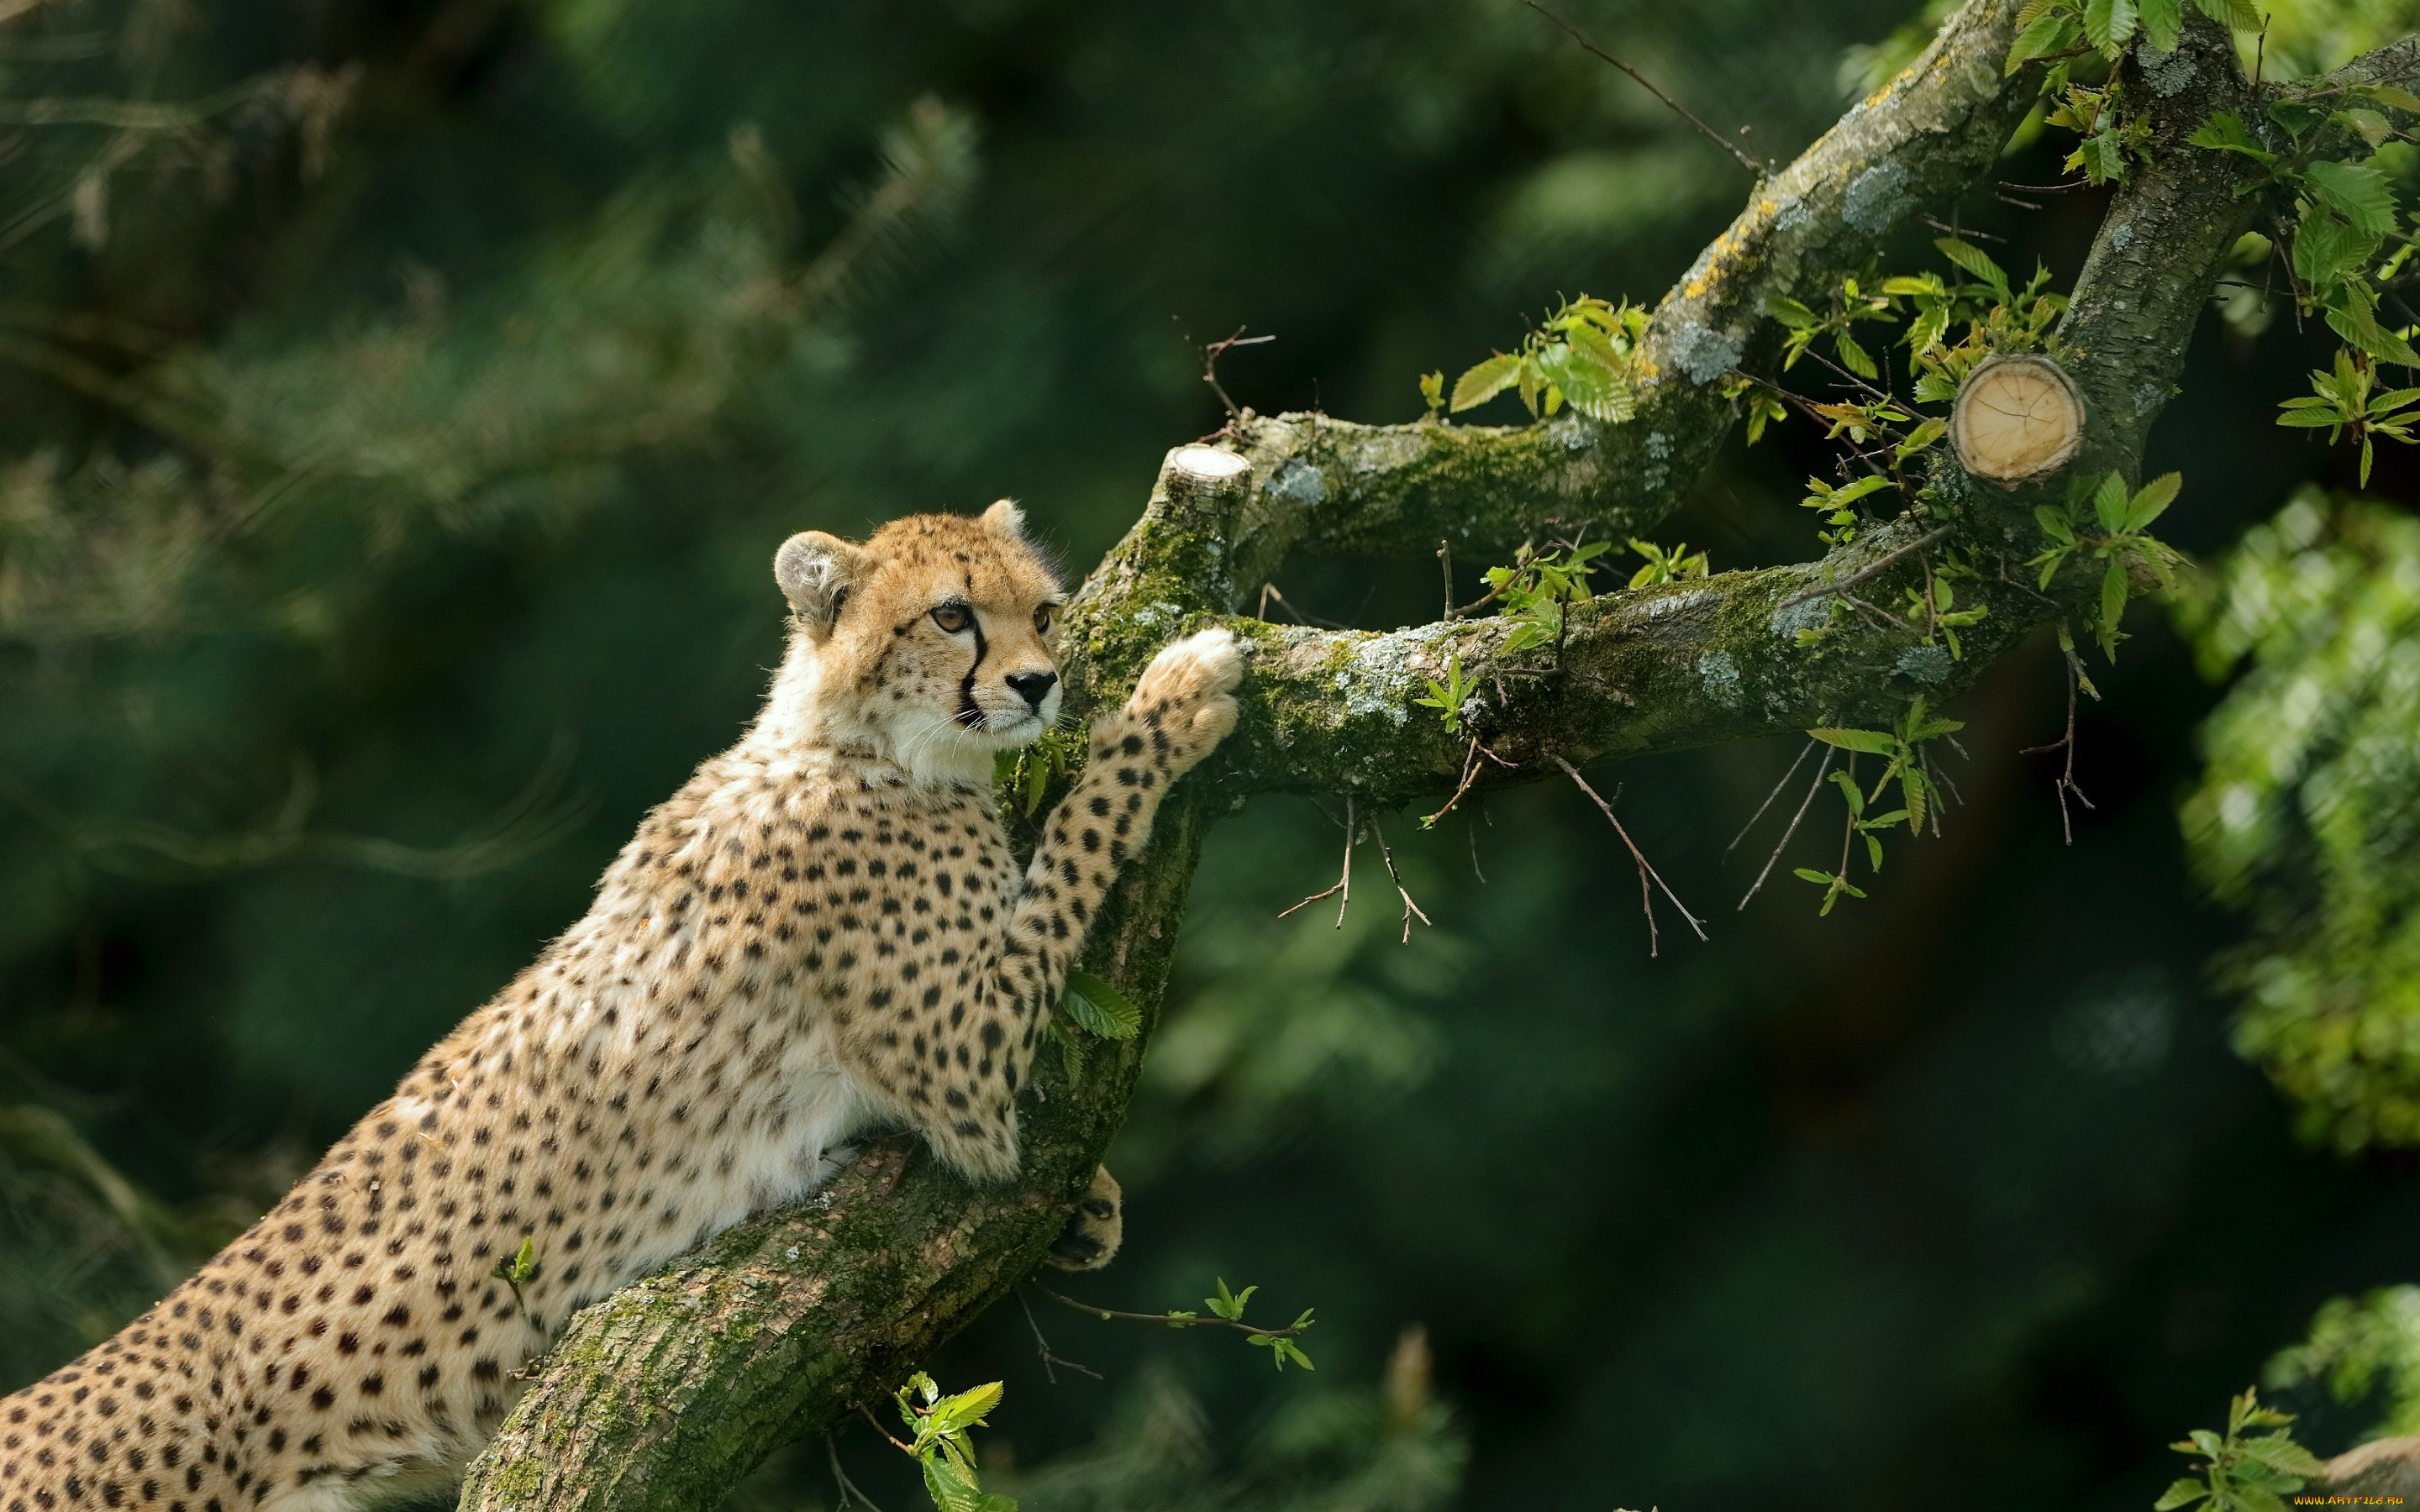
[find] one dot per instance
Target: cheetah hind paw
(1094, 1230)
(1193, 681)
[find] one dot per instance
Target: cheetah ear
(1005, 518)
(817, 572)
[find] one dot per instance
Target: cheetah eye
(953, 617)
(1042, 617)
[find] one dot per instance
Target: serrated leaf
(2388, 95)
(1808, 873)
(2047, 34)
(2235, 15)
(2114, 591)
(1853, 357)
(1485, 382)
(2181, 1494)
(2101, 157)
(2151, 499)
(2225, 133)
(2280, 1452)
(2163, 21)
(2109, 504)
(2357, 190)
(1973, 260)
(1872, 742)
(1100, 1008)
(2310, 418)
(966, 1409)
(2109, 25)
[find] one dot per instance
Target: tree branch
(665, 1394)
(1324, 486)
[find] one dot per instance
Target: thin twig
(868, 1413)
(850, 1495)
(1210, 356)
(1869, 570)
(1646, 898)
(1344, 883)
(1472, 825)
(1445, 560)
(1979, 236)
(1271, 591)
(1812, 788)
(1770, 796)
(2066, 783)
(1411, 910)
(1166, 1319)
(1043, 1344)
(1760, 169)
(1469, 772)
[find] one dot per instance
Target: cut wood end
(2017, 418)
(1209, 463)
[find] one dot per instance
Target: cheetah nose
(1032, 686)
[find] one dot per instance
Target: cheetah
(822, 930)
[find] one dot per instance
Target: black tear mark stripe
(969, 712)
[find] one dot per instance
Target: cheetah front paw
(1094, 1230)
(1185, 699)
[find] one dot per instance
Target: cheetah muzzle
(822, 930)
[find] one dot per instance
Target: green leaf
(2113, 590)
(2328, 251)
(1229, 1305)
(1854, 358)
(2163, 21)
(2048, 34)
(2278, 1451)
(952, 1414)
(1873, 742)
(2101, 157)
(1808, 873)
(2388, 95)
(1973, 260)
(2225, 133)
(2109, 504)
(2357, 190)
(1922, 437)
(2109, 25)
(1432, 390)
(1100, 1007)
(1485, 382)
(2308, 418)
(2182, 1493)
(1071, 1049)
(2151, 499)
(2235, 15)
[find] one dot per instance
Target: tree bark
(662, 1396)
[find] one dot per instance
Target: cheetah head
(934, 641)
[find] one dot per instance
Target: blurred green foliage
(399, 405)
(2308, 811)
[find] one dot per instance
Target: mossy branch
(1323, 486)
(662, 1396)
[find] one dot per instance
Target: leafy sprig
(2246, 1472)
(942, 1446)
(1449, 697)
(1226, 1311)
(2121, 543)
(1906, 762)
(1671, 565)
(1582, 355)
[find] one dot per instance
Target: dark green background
(1956, 1197)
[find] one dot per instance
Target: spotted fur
(822, 931)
